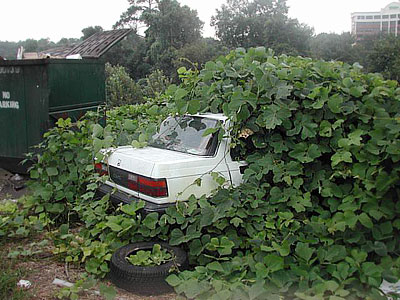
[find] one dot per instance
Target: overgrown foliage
(317, 216)
(318, 213)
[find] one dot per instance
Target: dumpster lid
(99, 43)
(58, 51)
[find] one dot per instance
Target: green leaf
(226, 246)
(341, 156)
(173, 280)
(283, 248)
(92, 265)
(143, 138)
(365, 220)
(194, 106)
(151, 220)
(68, 156)
(215, 266)
(194, 287)
(353, 139)
(348, 82)
(177, 237)
(52, 171)
(272, 116)
(209, 131)
(97, 130)
(64, 228)
(114, 226)
(109, 292)
(371, 269)
(256, 290)
(210, 65)
(34, 174)
(357, 91)
(309, 130)
(305, 153)
(261, 270)
(304, 251)
(132, 207)
(380, 249)
(236, 221)
(334, 103)
(207, 216)
(386, 228)
(273, 262)
(325, 129)
(181, 70)
(180, 93)
(153, 110)
(55, 207)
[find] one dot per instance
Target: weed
(9, 277)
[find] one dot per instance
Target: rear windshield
(185, 134)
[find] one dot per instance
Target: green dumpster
(34, 94)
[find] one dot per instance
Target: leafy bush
(121, 89)
(154, 84)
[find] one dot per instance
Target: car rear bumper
(118, 197)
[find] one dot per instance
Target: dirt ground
(41, 273)
(43, 268)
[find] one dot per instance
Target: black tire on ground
(144, 280)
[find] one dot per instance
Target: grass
(9, 277)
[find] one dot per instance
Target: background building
(372, 23)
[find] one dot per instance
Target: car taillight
(148, 186)
(101, 169)
(133, 182)
(153, 187)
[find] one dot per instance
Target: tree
(66, 42)
(332, 46)
(89, 31)
(173, 25)
(250, 23)
(133, 16)
(198, 53)
(130, 53)
(384, 57)
(31, 45)
(170, 27)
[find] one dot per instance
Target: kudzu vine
(317, 216)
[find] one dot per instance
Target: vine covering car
(180, 160)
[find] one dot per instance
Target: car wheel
(149, 280)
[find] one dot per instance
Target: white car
(166, 170)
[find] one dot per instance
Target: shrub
(154, 84)
(121, 89)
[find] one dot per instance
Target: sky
(37, 19)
